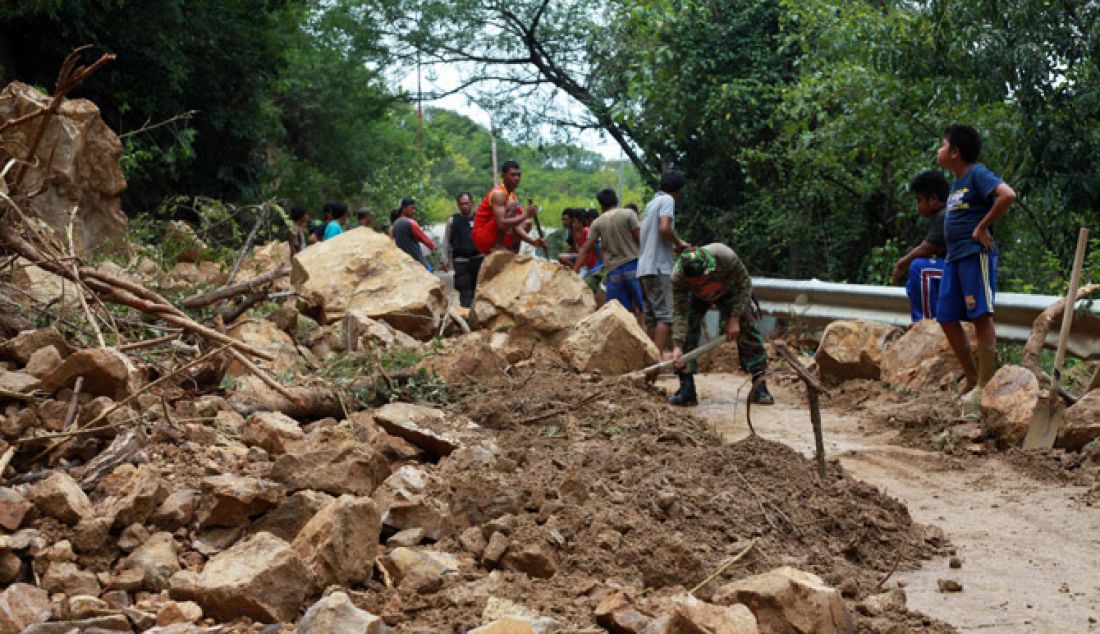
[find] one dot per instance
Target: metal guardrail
(816, 303)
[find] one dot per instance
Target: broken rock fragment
(789, 600)
(339, 543)
(20, 347)
(609, 341)
(230, 500)
(261, 578)
(140, 492)
(22, 605)
(1082, 423)
(291, 515)
(426, 427)
(355, 469)
(274, 432)
(1008, 403)
(106, 372)
(14, 508)
(157, 559)
(59, 496)
(853, 349)
(336, 614)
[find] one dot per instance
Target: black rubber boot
(760, 395)
(686, 394)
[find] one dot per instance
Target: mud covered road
(1030, 549)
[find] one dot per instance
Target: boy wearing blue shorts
(925, 262)
(977, 199)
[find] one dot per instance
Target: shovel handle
(1071, 295)
(684, 358)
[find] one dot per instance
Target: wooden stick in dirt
(70, 415)
(263, 376)
(230, 315)
(147, 343)
(5, 460)
(813, 390)
(232, 290)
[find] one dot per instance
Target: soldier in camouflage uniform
(714, 277)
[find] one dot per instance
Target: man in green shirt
(714, 277)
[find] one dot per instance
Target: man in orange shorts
(500, 221)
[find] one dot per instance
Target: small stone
(175, 612)
(106, 372)
(67, 578)
(335, 614)
(43, 361)
(531, 560)
(132, 536)
(473, 541)
(274, 432)
(291, 515)
(10, 566)
(495, 549)
(14, 508)
(157, 559)
(955, 562)
(408, 537)
(949, 585)
(176, 510)
(230, 500)
(338, 544)
(83, 606)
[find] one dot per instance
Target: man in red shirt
(500, 220)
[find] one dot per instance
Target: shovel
(684, 358)
(1046, 422)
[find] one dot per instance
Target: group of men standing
(666, 282)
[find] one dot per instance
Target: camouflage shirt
(728, 288)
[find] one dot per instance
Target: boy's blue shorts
(622, 285)
(967, 289)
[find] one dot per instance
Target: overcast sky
(447, 77)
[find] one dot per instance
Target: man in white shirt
(659, 246)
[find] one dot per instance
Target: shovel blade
(1046, 422)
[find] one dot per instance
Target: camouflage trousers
(751, 355)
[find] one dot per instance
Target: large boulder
(789, 601)
(339, 543)
(264, 259)
(853, 349)
(363, 270)
(1008, 403)
(1082, 422)
(261, 578)
(106, 371)
(521, 290)
(609, 341)
(76, 165)
(922, 359)
(266, 336)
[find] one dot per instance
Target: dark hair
(632, 206)
(672, 182)
(591, 214)
(297, 212)
(508, 165)
(965, 139)
(394, 214)
(607, 198)
(339, 210)
(930, 184)
(461, 194)
(328, 208)
(362, 213)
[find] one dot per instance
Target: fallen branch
(232, 290)
(183, 116)
(724, 567)
(12, 395)
(5, 460)
(70, 415)
(147, 343)
(264, 211)
(230, 315)
(1051, 316)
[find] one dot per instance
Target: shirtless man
(500, 220)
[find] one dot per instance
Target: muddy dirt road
(1030, 552)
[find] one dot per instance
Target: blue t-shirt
(333, 229)
(970, 199)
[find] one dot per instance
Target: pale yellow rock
(789, 600)
(1082, 422)
(922, 359)
(362, 332)
(77, 165)
(610, 342)
(1008, 403)
(853, 349)
(521, 290)
(265, 335)
(692, 615)
(362, 269)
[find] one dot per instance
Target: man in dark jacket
(459, 252)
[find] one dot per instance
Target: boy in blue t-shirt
(977, 199)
